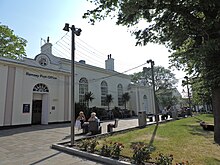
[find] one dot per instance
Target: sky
(35, 20)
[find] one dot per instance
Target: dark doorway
(36, 111)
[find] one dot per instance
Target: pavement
(31, 145)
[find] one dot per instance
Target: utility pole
(76, 31)
(153, 85)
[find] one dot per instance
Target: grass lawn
(184, 139)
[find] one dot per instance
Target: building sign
(26, 108)
(40, 75)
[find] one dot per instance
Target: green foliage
(164, 78)
(116, 149)
(93, 144)
(125, 98)
(141, 152)
(190, 29)
(108, 99)
(89, 144)
(165, 83)
(88, 97)
(164, 159)
(166, 99)
(79, 107)
(201, 92)
(106, 150)
(110, 149)
(12, 46)
(84, 144)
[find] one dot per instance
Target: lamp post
(76, 31)
(187, 86)
(153, 85)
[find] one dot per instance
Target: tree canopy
(164, 78)
(189, 28)
(11, 46)
(165, 83)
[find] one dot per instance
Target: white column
(45, 109)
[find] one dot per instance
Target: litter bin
(174, 114)
(142, 119)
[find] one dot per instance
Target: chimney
(109, 63)
(47, 47)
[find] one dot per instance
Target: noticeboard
(26, 108)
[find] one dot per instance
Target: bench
(111, 126)
(207, 127)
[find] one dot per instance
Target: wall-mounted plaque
(26, 108)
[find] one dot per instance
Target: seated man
(94, 124)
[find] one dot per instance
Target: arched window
(120, 93)
(104, 92)
(40, 88)
(83, 88)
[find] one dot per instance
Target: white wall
(137, 102)
(3, 83)
(95, 77)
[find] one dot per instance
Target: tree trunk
(216, 111)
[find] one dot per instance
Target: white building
(39, 90)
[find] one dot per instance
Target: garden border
(62, 146)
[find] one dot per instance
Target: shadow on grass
(153, 136)
(197, 129)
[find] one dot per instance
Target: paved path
(30, 145)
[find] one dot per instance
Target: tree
(189, 28)
(12, 46)
(164, 78)
(166, 98)
(125, 98)
(201, 93)
(108, 100)
(165, 83)
(88, 98)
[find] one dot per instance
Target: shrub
(84, 145)
(106, 150)
(141, 152)
(89, 144)
(164, 159)
(116, 150)
(92, 144)
(110, 149)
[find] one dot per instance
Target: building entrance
(36, 111)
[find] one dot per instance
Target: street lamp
(187, 86)
(75, 31)
(153, 85)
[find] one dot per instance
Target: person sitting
(93, 117)
(80, 120)
(164, 114)
(94, 124)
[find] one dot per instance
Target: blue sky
(36, 19)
